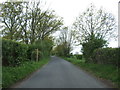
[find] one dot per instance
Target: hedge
(106, 56)
(13, 53)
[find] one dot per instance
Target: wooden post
(37, 55)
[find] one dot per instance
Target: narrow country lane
(59, 73)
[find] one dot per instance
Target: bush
(31, 48)
(13, 53)
(78, 56)
(106, 56)
(89, 47)
(44, 46)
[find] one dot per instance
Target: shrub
(44, 46)
(106, 56)
(89, 47)
(78, 56)
(13, 53)
(31, 48)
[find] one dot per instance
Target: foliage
(13, 53)
(64, 43)
(74, 60)
(10, 13)
(27, 22)
(95, 22)
(108, 72)
(42, 23)
(11, 75)
(89, 47)
(93, 28)
(36, 54)
(62, 50)
(18, 59)
(79, 56)
(106, 56)
(45, 46)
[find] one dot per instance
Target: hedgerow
(106, 56)
(13, 53)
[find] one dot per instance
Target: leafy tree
(42, 23)
(35, 12)
(23, 23)
(89, 47)
(10, 12)
(48, 24)
(27, 22)
(93, 28)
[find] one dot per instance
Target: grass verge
(108, 72)
(10, 75)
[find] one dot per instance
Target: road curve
(59, 73)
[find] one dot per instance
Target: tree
(35, 13)
(10, 12)
(48, 24)
(89, 47)
(94, 22)
(27, 21)
(93, 28)
(42, 23)
(64, 42)
(23, 23)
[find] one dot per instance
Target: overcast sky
(70, 9)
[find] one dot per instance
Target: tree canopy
(93, 22)
(27, 21)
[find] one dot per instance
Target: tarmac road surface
(59, 73)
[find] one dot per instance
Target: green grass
(10, 75)
(108, 72)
